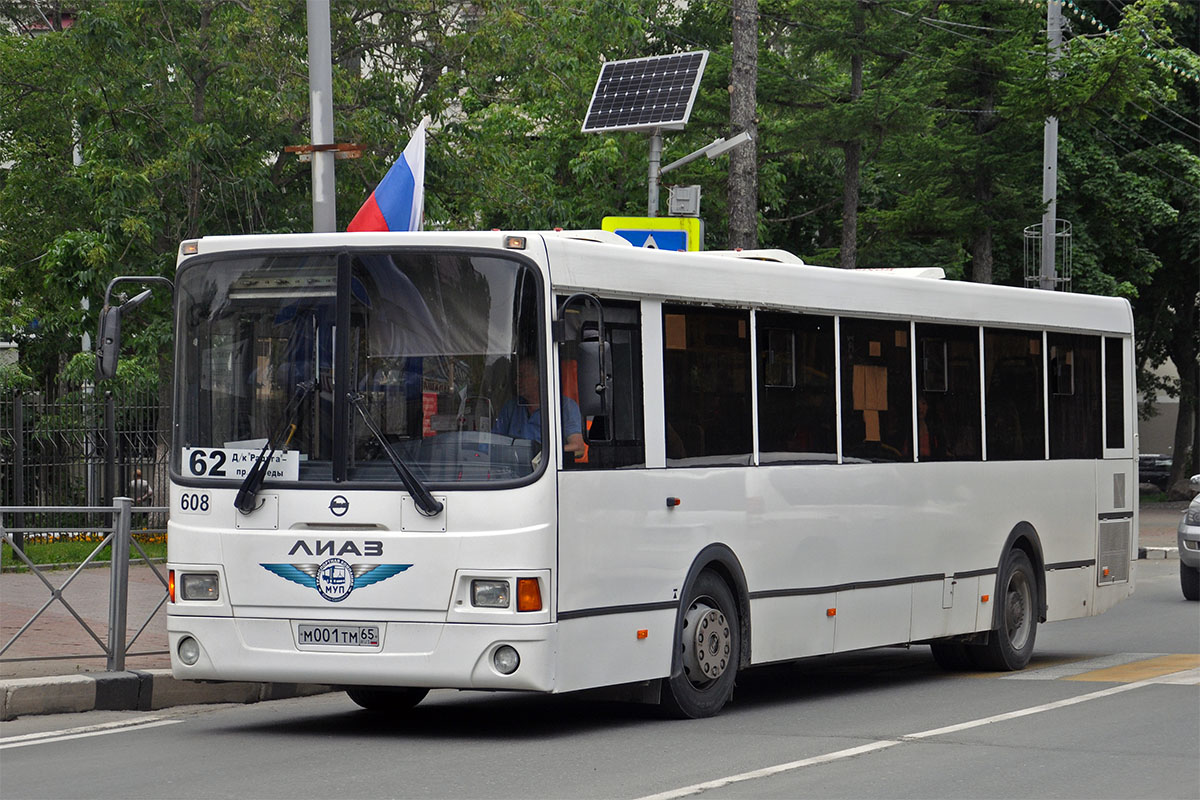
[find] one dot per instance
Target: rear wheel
(1010, 645)
(386, 699)
(1189, 581)
(709, 648)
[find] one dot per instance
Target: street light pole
(320, 94)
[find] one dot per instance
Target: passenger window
(948, 418)
(706, 386)
(626, 446)
(1114, 392)
(797, 401)
(1074, 370)
(876, 390)
(1012, 362)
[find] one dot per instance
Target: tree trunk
(743, 160)
(853, 154)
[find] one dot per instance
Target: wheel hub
(707, 644)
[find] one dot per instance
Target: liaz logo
(335, 578)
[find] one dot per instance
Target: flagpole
(320, 93)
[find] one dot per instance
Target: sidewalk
(67, 670)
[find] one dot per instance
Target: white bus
(745, 459)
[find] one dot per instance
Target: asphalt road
(1110, 707)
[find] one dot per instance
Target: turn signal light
(171, 585)
(643, 634)
(831, 612)
(985, 598)
(529, 595)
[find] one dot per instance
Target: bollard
(118, 601)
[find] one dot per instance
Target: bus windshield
(431, 353)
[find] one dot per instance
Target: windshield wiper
(426, 503)
(248, 491)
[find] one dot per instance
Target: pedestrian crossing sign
(658, 233)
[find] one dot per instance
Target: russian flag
(398, 202)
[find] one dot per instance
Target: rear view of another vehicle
(1189, 546)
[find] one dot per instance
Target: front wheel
(1010, 645)
(386, 699)
(1189, 581)
(710, 646)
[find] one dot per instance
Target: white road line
(883, 744)
(766, 772)
(120, 726)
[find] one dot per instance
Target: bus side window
(797, 398)
(876, 390)
(706, 386)
(948, 419)
(618, 439)
(1013, 395)
(1074, 396)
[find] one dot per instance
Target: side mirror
(108, 346)
(1194, 483)
(595, 380)
(108, 343)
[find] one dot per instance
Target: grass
(66, 552)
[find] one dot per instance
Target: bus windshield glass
(431, 350)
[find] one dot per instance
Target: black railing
(81, 451)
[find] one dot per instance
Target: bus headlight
(189, 650)
(489, 594)
(199, 586)
(506, 659)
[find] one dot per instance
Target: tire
(1189, 581)
(1010, 645)
(953, 656)
(709, 647)
(386, 699)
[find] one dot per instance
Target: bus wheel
(386, 699)
(1011, 644)
(710, 648)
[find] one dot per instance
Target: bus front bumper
(432, 655)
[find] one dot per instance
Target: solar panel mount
(645, 93)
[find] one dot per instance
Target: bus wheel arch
(714, 591)
(1025, 537)
(1018, 606)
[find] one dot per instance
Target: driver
(521, 418)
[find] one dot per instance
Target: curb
(135, 690)
(1158, 552)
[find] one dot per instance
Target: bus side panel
(1069, 593)
(614, 649)
(945, 608)
(870, 617)
(792, 627)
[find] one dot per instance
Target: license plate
(309, 635)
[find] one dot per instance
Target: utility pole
(1048, 274)
(320, 95)
(743, 93)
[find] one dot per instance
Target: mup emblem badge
(334, 579)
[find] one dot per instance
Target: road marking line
(883, 744)
(767, 772)
(47, 737)
(1141, 670)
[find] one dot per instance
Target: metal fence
(81, 451)
(117, 535)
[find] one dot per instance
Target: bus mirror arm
(426, 503)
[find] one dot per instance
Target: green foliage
(179, 114)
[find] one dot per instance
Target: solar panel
(645, 93)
